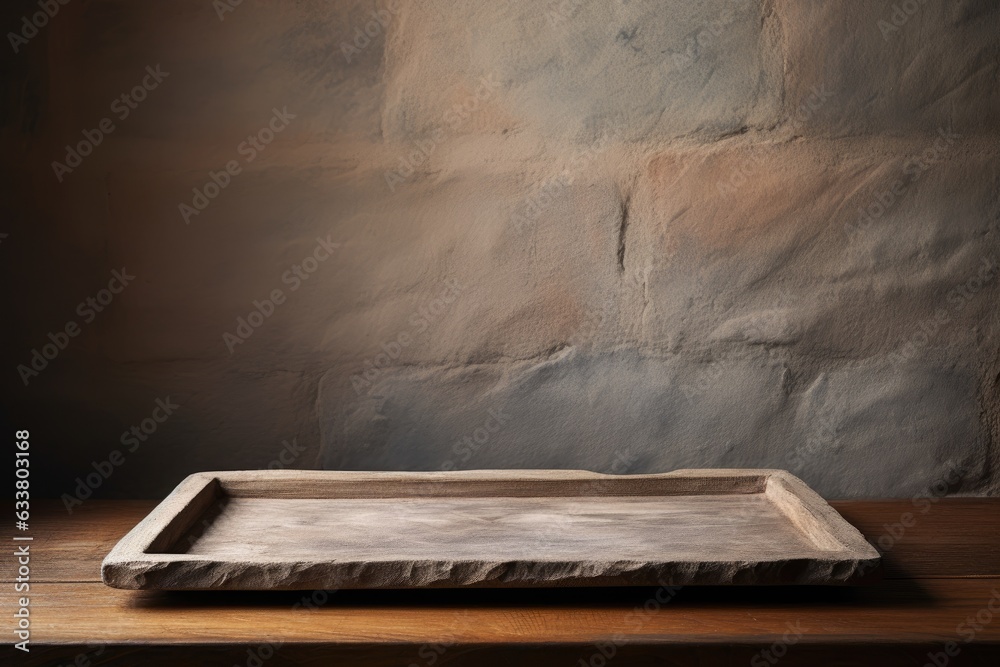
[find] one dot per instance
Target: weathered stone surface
(843, 249)
(288, 530)
(912, 423)
(699, 234)
(907, 424)
(893, 68)
(576, 70)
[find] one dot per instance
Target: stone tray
(305, 530)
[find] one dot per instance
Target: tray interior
(722, 527)
(261, 530)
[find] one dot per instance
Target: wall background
(618, 236)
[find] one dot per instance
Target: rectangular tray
(306, 530)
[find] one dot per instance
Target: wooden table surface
(941, 572)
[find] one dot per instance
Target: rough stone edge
(129, 565)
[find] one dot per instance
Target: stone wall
(616, 236)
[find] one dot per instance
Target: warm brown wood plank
(955, 537)
(69, 547)
(894, 611)
(895, 622)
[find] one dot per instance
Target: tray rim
(139, 559)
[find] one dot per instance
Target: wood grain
(295, 530)
(943, 570)
(932, 609)
(951, 537)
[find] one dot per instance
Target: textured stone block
(643, 70)
(893, 67)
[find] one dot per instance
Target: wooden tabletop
(942, 569)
